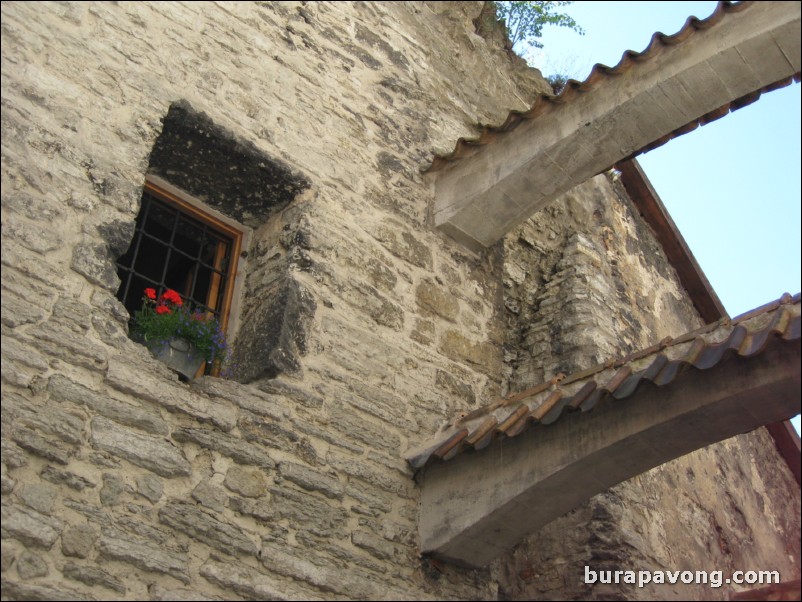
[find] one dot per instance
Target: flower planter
(181, 337)
(179, 355)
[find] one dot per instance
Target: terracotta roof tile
(604, 75)
(590, 390)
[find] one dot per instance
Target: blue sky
(732, 186)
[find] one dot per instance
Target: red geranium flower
(150, 293)
(163, 309)
(172, 296)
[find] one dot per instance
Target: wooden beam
(479, 198)
(476, 506)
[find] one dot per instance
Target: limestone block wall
(118, 481)
(597, 287)
(585, 281)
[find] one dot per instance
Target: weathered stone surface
(110, 330)
(327, 436)
(161, 593)
(33, 206)
(342, 553)
(21, 286)
(30, 527)
(17, 311)
(63, 389)
(404, 245)
(210, 495)
(260, 509)
(241, 579)
(27, 591)
(72, 314)
(368, 474)
(380, 274)
(30, 566)
(16, 257)
(247, 397)
(94, 514)
(435, 299)
(302, 508)
(148, 557)
(374, 503)
(275, 332)
(250, 482)
(377, 401)
(113, 490)
(17, 373)
(137, 527)
(485, 355)
(38, 496)
(92, 260)
(150, 487)
(146, 378)
(365, 298)
(109, 319)
(323, 576)
(192, 149)
(12, 456)
(267, 431)
(8, 554)
(35, 443)
(104, 459)
(312, 480)
(93, 576)
(423, 332)
(207, 529)
(362, 429)
(453, 386)
(148, 452)
(78, 541)
(376, 546)
(307, 452)
(7, 484)
(277, 386)
(240, 451)
(63, 343)
(64, 426)
(65, 477)
(29, 235)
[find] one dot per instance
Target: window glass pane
(173, 249)
(150, 259)
(189, 236)
(160, 222)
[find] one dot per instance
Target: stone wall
(361, 329)
(121, 482)
(586, 282)
(598, 287)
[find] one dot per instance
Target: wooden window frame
(236, 236)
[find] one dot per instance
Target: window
(178, 246)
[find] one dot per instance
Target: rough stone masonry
(360, 330)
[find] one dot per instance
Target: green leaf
(525, 21)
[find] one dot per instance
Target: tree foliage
(525, 21)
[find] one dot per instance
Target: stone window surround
(228, 177)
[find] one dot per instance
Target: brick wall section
(118, 481)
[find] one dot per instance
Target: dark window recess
(172, 249)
